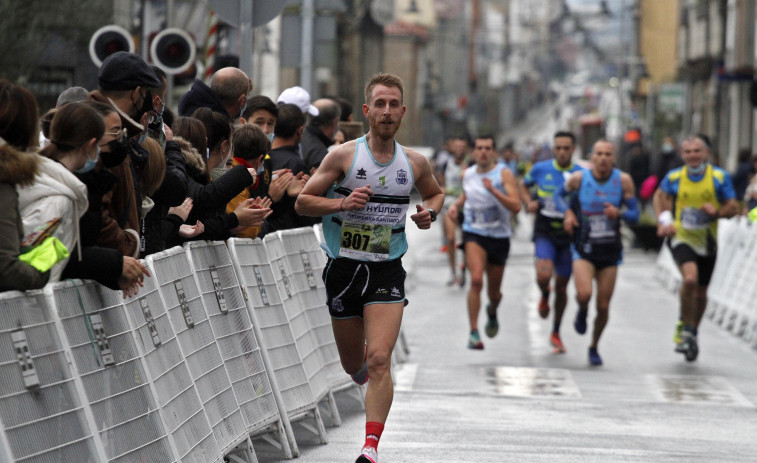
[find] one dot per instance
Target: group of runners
(363, 189)
(577, 231)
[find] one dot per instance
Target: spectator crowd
(111, 175)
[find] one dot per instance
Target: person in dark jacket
(209, 199)
(319, 133)
(18, 131)
(227, 94)
(285, 155)
(743, 173)
(669, 158)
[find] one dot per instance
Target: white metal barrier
(106, 359)
(179, 291)
(227, 310)
(223, 343)
(42, 413)
(169, 376)
(259, 281)
(732, 290)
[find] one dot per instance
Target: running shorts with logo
(353, 284)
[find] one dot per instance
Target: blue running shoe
(580, 323)
(594, 358)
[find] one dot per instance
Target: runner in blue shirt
(602, 196)
(551, 242)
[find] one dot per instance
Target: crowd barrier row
(732, 293)
(225, 343)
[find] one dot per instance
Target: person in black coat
(209, 199)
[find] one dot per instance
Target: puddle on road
(532, 382)
(713, 390)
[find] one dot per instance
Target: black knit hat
(126, 71)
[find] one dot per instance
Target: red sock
(373, 432)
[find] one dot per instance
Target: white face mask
(221, 168)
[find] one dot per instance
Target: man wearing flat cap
(127, 83)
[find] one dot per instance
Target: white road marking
(695, 390)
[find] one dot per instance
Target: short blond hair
(385, 79)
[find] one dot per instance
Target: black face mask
(146, 106)
(117, 154)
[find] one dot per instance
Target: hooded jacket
(16, 168)
(56, 192)
(200, 96)
(210, 198)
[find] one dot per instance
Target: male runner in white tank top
(367, 184)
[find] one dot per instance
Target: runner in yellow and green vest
(688, 203)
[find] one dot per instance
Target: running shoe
(677, 333)
(492, 325)
(689, 346)
(580, 322)
(367, 455)
(594, 358)
(557, 345)
(361, 377)
(543, 307)
(474, 341)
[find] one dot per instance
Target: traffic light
(173, 51)
(108, 40)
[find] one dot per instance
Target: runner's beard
(384, 131)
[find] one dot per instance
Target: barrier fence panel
(43, 415)
(181, 297)
(297, 308)
(169, 376)
(227, 310)
(305, 264)
(107, 360)
(268, 313)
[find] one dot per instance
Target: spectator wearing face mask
(209, 198)
(76, 134)
(127, 83)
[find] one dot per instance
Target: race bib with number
(549, 209)
(365, 241)
(694, 219)
(601, 228)
(486, 217)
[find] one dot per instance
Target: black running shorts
(353, 284)
(683, 253)
(497, 249)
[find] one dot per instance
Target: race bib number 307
(365, 241)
